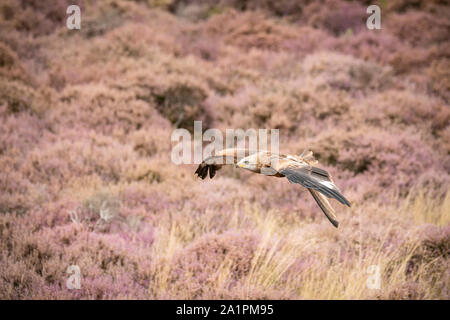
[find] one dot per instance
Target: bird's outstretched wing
(224, 157)
(326, 207)
(312, 178)
(301, 170)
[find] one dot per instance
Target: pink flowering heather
(86, 180)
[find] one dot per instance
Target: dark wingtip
(212, 172)
(335, 223)
(340, 197)
(346, 202)
(202, 171)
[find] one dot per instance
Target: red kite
(297, 169)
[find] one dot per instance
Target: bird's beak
(239, 165)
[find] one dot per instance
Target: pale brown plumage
(297, 169)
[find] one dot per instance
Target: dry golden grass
(327, 276)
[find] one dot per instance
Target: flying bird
(297, 169)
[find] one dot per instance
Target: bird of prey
(297, 169)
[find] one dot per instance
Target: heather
(86, 177)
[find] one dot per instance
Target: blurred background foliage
(85, 173)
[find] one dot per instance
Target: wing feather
(327, 209)
(224, 157)
(313, 178)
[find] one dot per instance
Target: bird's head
(249, 163)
